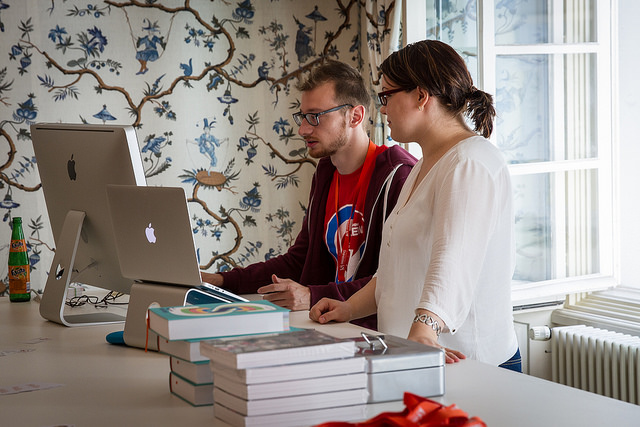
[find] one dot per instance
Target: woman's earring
(419, 107)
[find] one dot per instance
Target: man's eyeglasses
(382, 96)
(314, 118)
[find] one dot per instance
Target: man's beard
(339, 142)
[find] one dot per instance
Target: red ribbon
(419, 412)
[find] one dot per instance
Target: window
(548, 65)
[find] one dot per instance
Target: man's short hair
(349, 85)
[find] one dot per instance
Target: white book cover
(291, 419)
(184, 349)
(293, 388)
(277, 349)
(197, 373)
(195, 394)
(290, 403)
(297, 371)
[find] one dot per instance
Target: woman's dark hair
(437, 68)
(349, 85)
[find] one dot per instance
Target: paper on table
(22, 388)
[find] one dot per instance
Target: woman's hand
(425, 334)
(327, 310)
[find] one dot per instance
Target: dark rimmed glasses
(382, 96)
(314, 118)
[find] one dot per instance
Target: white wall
(628, 159)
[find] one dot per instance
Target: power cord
(109, 299)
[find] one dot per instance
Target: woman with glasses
(447, 254)
(353, 189)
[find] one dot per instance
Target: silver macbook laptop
(155, 247)
(154, 240)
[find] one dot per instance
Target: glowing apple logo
(71, 168)
(150, 232)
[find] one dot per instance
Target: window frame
(555, 290)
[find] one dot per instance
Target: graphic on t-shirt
(345, 247)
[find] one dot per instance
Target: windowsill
(553, 291)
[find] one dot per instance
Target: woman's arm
(426, 333)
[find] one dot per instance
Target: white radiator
(597, 360)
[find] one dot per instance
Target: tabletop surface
(103, 384)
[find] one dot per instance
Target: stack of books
(191, 381)
(286, 379)
(181, 329)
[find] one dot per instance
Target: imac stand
(55, 292)
(144, 295)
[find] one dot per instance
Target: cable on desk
(108, 299)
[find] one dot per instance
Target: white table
(110, 385)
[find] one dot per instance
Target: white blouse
(450, 249)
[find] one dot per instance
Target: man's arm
(214, 279)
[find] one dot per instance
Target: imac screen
(76, 162)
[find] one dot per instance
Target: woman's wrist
(429, 321)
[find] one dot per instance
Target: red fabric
(419, 412)
(344, 229)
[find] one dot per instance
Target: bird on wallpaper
(187, 69)
(303, 42)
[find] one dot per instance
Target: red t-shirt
(345, 236)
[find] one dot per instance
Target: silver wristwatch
(429, 321)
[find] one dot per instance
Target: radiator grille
(597, 360)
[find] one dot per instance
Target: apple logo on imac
(71, 168)
(150, 232)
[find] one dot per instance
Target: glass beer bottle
(19, 282)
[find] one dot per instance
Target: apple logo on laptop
(71, 168)
(150, 232)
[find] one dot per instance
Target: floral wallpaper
(209, 86)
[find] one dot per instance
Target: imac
(76, 162)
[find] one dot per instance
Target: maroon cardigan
(308, 261)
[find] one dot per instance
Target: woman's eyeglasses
(314, 118)
(382, 96)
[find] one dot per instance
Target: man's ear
(358, 114)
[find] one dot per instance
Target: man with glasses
(354, 188)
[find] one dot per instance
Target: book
(277, 349)
(292, 388)
(277, 405)
(188, 350)
(218, 320)
(195, 394)
(197, 373)
(291, 419)
(289, 372)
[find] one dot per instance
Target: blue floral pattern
(209, 90)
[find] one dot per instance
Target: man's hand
(214, 279)
(287, 293)
(327, 310)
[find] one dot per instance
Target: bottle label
(18, 246)
(19, 282)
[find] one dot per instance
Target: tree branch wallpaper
(208, 85)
